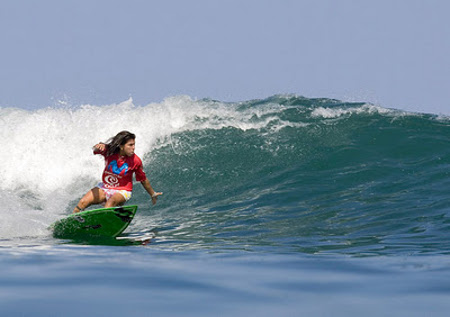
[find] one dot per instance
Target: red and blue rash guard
(119, 170)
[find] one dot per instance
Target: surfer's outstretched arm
(150, 191)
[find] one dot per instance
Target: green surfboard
(103, 222)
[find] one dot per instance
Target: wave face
(284, 174)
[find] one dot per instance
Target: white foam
(328, 113)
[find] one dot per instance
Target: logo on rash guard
(111, 180)
(114, 168)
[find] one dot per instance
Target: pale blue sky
(395, 53)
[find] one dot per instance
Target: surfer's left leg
(116, 200)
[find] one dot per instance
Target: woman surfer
(117, 179)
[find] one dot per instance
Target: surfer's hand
(155, 197)
(100, 146)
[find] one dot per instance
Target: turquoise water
(286, 206)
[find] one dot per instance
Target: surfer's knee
(85, 202)
(82, 205)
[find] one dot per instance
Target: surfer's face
(128, 148)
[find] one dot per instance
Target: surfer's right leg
(94, 196)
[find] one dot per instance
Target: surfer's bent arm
(146, 184)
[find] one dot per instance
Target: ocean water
(285, 206)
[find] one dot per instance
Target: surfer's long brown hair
(113, 144)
